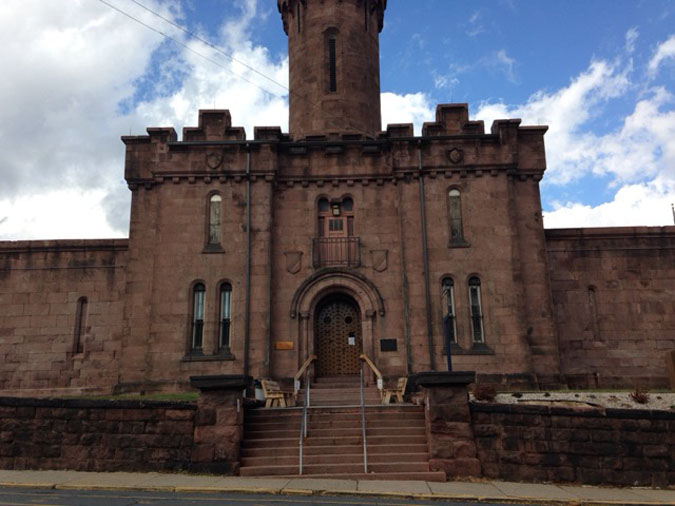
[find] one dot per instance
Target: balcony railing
(337, 251)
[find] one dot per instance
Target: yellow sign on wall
(283, 345)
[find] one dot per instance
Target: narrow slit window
(593, 310)
(197, 317)
(332, 64)
(455, 211)
(298, 16)
(80, 325)
(476, 309)
(449, 319)
(365, 14)
(214, 220)
(224, 319)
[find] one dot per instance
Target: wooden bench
(394, 393)
(275, 396)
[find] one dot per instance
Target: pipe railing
(303, 421)
(363, 424)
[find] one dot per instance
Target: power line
(185, 46)
(209, 44)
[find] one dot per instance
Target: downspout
(268, 273)
(425, 259)
(247, 302)
(404, 284)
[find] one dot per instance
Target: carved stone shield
(379, 259)
(214, 159)
(293, 261)
(456, 155)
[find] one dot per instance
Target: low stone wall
(542, 443)
(96, 435)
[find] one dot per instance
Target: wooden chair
(394, 393)
(275, 396)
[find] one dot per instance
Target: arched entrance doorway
(337, 336)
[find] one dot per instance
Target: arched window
(80, 325)
(197, 318)
(455, 217)
(225, 301)
(449, 319)
(214, 220)
(476, 309)
(332, 63)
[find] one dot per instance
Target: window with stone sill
(197, 327)
(213, 228)
(224, 317)
(476, 311)
(449, 317)
(455, 219)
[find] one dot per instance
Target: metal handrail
(303, 421)
(363, 424)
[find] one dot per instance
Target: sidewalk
(472, 491)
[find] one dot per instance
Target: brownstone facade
(237, 244)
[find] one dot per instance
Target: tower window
(80, 325)
(214, 220)
(449, 319)
(476, 309)
(455, 216)
(332, 64)
(197, 317)
(224, 318)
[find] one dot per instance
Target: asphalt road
(51, 497)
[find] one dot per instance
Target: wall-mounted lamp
(336, 209)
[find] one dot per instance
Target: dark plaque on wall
(387, 344)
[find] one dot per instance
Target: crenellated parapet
(451, 146)
(289, 10)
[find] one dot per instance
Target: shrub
(484, 392)
(640, 396)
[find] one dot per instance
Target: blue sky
(600, 73)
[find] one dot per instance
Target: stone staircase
(395, 435)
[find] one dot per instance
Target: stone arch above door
(364, 292)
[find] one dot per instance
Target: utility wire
(209, 44)
(188, 48)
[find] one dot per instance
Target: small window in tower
(197, 318)
(298, 16)
(224, 319)
(332, 64)
(476, 311)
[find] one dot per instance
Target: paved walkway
(459, 490)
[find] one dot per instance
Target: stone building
(249, 254)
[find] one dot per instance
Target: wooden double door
(338, 340)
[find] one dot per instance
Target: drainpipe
(268, 273)
(425, 259)
(404, 283)
(247, 302)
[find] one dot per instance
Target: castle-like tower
(333, 48)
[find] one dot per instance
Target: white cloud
(505, 64)
(413, 108)
(665, 51)
(638, 155)
(631, 38)
(646, 204)
(59, 214)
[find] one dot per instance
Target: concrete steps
(395, 435)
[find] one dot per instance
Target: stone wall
(542, 443)
(99, 435)
(614, 299)
(41, 283)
